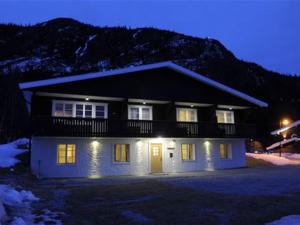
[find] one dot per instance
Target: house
(157, 118)
(287, 138)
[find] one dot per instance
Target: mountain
(64, 46)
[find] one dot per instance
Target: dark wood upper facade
(164, 90)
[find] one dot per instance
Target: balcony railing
(83, 127)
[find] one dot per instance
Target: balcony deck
(83, 127)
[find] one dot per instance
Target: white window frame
(140, 107)
(189, 109)
(225, 118)
(74, 103)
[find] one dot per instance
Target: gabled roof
(278, 131)
(167, 64)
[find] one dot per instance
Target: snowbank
(18, 203)
(11, 197)
(287, 220)
(274, 159)
(9, 151)
(2, 213)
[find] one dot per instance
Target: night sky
(263, 31)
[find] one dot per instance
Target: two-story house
(157, 118)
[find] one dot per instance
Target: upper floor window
(224, 116)
(139, 112)
(186, 115)
(79, 109)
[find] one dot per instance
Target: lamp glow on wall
(139, 152)
(95, 159)
(208, 155)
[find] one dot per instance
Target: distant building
(287, 138)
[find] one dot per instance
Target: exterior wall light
(87, 99)
(139, 143)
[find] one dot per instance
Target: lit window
(186, 115)
(138, 112)
(187, 152)
(225, 116)
(66, 153)
(225, 151)
(121, 153)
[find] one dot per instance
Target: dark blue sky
(263, 31)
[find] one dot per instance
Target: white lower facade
(95, 156)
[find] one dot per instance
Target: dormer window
(224, 116)
(186, 115)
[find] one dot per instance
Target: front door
(156, 158)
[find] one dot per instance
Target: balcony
(83, 127)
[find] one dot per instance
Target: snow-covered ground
(15, 205)
(287, 220)
(8, 153)
(285, 159)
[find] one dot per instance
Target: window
(186, 115)
(121, 153)
(79, 109)
(63, 110)
(187, 152)
(88, 110)
(100, 111)
(225, 116)
(139, 112)
(66, 153)
(225, 151)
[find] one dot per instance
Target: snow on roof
(167, 64)
(278, 131)
(284, 142)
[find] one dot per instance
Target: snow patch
(287, 220)
(136, 217)
(9, 151)
(9, 196)
(103, 64)
(82, 50)
(19, 208)
(18, 221)
(274, 159)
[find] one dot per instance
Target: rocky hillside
(62, 46)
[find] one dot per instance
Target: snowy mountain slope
(65, 46)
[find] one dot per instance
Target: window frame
(225, 118)
(83, 103)
(140, 108)
(228, 149)
(194, 153)
(66, 154)
(113, 154)
(187, 109)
